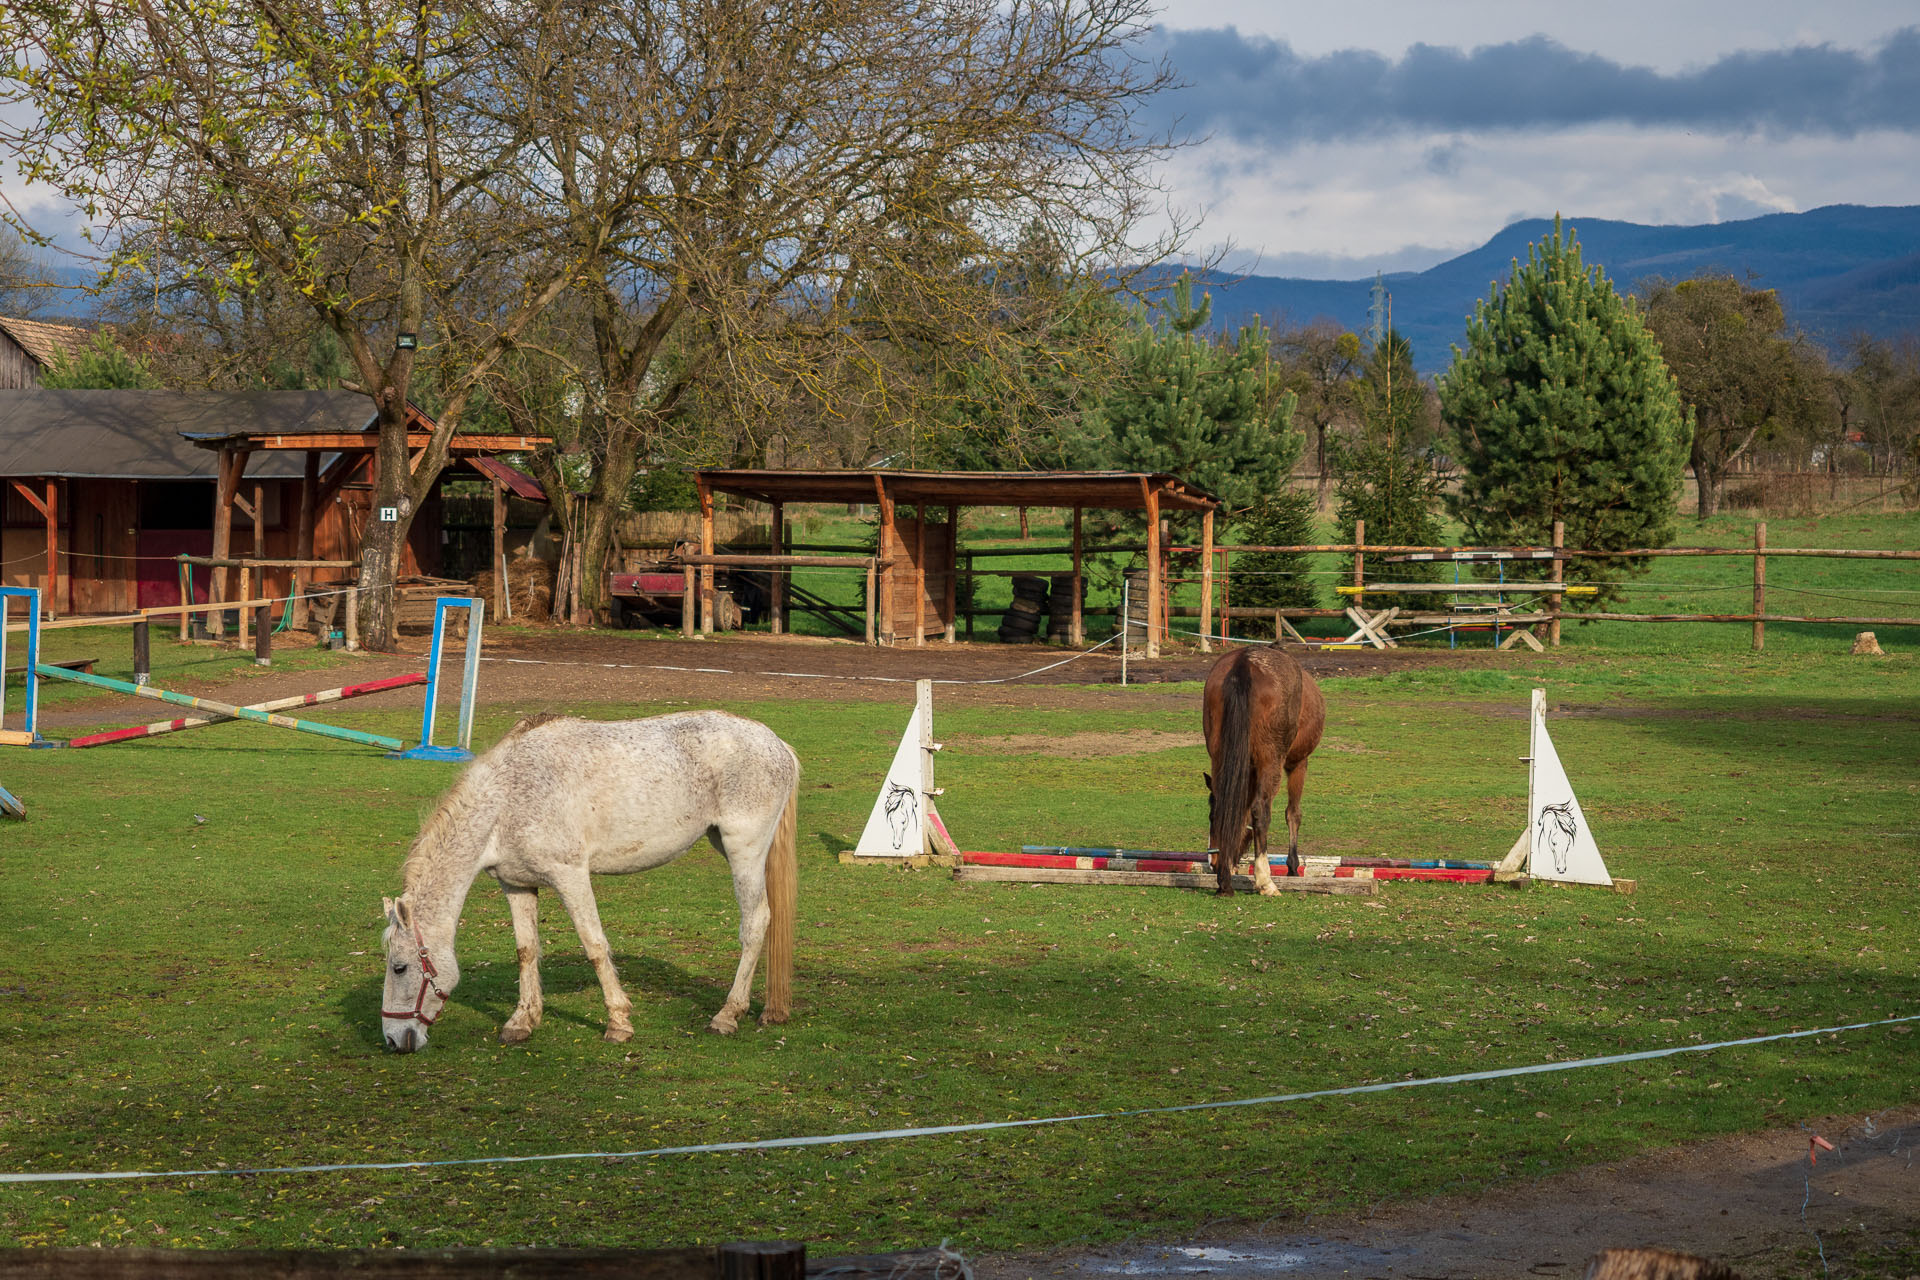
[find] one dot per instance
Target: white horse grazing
(558, 799)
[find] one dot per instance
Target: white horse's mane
(457, 809)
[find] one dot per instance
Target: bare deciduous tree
(352, 154)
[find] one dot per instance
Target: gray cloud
(1255, 89)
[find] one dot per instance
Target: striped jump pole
(220, 708)
(469, 678)
(10, 804)
(159, 727)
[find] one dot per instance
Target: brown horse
(1262, 716)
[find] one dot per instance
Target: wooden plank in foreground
(700, 1263)
(974, 874)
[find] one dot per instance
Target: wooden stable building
(105, 490)
(916, 559)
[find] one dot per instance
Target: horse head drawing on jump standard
(903, 810)
(1262, 716)
(558, 801)
(1556, 831)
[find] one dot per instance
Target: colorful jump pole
(159, 727)
(220, 708)
(28, 734)
(469, 677)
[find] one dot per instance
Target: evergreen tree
(1213, 414)
(1275, 579)
(1562, 409)
(103, 365)
(1387, 476)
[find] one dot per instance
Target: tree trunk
(383, 544)
(1708, 476)
(605, 501)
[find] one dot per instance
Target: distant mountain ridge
(1840, 270)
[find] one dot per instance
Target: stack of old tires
(1021, 622)
(1060, 607)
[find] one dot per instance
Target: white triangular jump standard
(1557, 844)
(904, 822)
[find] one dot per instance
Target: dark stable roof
(1119, 490)
(142, 435)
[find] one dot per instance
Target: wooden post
(499, 550)
(186, 599)
(226, 477)
(263, 632)
(303, 532)
(1154, 618)
(870, 602)
(773, 1260)
(777, 586)
(950, 598)
(1206, 581)
(1077, 629)
(142, 653)
(246, 593)
(1226, 598)
(889, 540)
(1359, 560)
(972, 600)
(920, 575)
(353, 616)
(1559, 575)
(50, 602)
(687, 605)
(1759, 585)
(706, 549)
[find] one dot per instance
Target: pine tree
(1387, 476)
(1275, 579)
(102, 365)
(1562, 409)
(1209, 412)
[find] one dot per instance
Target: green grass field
(190, 975)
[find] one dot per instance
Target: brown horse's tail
(1232, 772)
(783, 893)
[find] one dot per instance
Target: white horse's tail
(783, 892)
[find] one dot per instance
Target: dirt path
(1752, 1202)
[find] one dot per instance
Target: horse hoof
(772, 1017)
(618, 1035)
(723, 1026)
(512, 1034)
(1269, 891)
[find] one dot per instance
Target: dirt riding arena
(1755, 1201)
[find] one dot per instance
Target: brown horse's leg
(1262, 829)
(524, 903)
(1296, 786)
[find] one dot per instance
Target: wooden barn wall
(18, 370)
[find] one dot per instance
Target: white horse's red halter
(427, 975)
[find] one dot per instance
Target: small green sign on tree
(1561, 408)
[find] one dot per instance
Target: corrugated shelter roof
(518, 482)
(1119, 490)
(46, 342)
(141, 435)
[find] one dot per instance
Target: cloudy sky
(1334, 140)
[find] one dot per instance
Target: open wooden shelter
(916, 557)
(331, 461)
